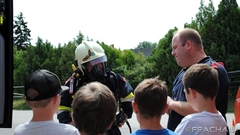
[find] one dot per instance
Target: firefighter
(91, 63)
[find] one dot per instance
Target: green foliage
(45, 56)
(141, 70)
(128, 58)
(233, 62)
(66, 60)
(41, 56)
(204, 15)
(19, 72)
(146, 44)
(231, 102)
(219, 31)
(112, 56)
(79, 39)
(221, 36)
(21, 33)
(20, 104)
(163, 62)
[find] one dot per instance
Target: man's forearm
(181, 107)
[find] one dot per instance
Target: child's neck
(208, 105)
(41, 115)
(150, 124)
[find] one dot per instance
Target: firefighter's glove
(121, 118)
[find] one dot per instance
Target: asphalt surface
(20, 117)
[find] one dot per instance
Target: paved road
(23, 116)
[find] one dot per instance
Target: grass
(20, 104)
(231, 105)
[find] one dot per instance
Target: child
(201, 86)
(94, 109)
(42, 89)
(149, 104)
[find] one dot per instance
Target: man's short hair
(189, 34)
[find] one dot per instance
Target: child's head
(203, 79)
(94, 108)
(150, 98)
(40, 87)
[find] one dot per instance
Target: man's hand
(169, 102)
(181, 107)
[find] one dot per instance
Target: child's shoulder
(170, 132)
(202, 115)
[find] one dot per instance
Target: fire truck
(236, 118)
(6, 63)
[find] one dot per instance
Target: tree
(113, 56)
(221, 36)
(204, 15)
(146, 44)
(80, 38)
(138, 71)
(66, 60)
(220, 33)
(163, 62)
(19, 72)
(128, 58)
(21, 33)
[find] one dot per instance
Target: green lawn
(231, 106)
(20, 104)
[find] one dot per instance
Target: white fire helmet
(90, 52)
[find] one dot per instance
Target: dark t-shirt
(179, 95)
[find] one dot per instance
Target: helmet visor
(94, 62)
(96, 69)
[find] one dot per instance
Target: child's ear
(192, 92)
(135, 107)
(55, 98)
(165, 109)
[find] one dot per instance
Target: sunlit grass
(20, 104)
